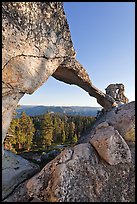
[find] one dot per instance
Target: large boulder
(82, 174)
(15, 170)
(110, 145)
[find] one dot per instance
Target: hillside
(71, 110)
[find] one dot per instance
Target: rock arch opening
(37, 44)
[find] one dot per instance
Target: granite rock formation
(122, 118)
(36, 44)
(82, 174)
(116, 91)
(110, 145)
(15, 170)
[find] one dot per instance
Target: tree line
(34, 132)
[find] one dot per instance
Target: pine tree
(66, 128)
(36, 142)
(74, 139)
(71, 130)
(25, 132)
(63, 138)
(46, 131)
(20, 133)
(30, 134)
(57, 129)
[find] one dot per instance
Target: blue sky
(103, 34)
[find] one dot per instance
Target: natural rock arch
(36, 43)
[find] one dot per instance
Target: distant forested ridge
(71, 110)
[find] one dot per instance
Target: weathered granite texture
(15, 170)
(36, 44)
(82, 174)
(122, 118)
(35, 40)
(116, 91)
(110, 145)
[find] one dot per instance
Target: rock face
(122, 118)
(83, 173)
(15, 169)
(36, 44)
(110, 145)
(116, 91)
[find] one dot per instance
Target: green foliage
(26, 131)
(20, 133)
(74, 139)
(46, 131)
(63, 136)
(57, 129)
(40, 132)
(72, 128)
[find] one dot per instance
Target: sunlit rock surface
(81, 174)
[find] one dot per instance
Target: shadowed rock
(15, 169)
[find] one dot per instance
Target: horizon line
(60, 105)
